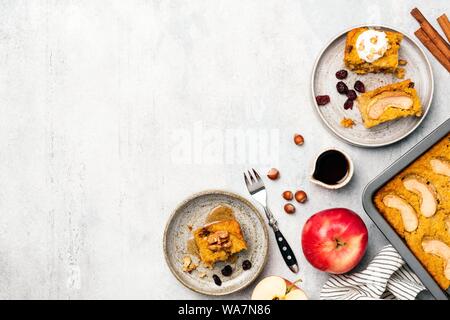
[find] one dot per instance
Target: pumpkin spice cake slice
(390, 102)
(219, 240)
(372, 50)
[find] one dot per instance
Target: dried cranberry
(359, 86)
(217, 280)
(227, 271)
(348, 104)
(341, 87)
(246, 264)
(341, 74)
(322, 100)
(351, 94)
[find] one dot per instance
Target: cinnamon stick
(445, 25)
(427, 42)
(431, 33)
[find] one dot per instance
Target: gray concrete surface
(112, 112)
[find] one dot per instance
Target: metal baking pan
(383, 225)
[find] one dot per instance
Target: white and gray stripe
(386, 277)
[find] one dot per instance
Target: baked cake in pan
(416, 203)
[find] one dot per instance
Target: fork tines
(253, 181)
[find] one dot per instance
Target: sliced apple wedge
(389, 99)
(408, 214)
(426, 192)
(277, 288)
(440, 165)
(440, 249)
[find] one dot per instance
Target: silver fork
(255, 186)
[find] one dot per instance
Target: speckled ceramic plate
(193, 212)
(324, 82)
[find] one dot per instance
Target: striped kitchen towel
(386, 277)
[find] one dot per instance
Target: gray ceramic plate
(194, 211)
(324, 82)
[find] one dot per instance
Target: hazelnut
(289, 208)
(273, 174)
(298, 139)
(288, 195)
(301, 196)
(227, 244)
(212, 239)
(214, 247)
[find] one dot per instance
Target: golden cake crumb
(400, 73)
(188, 265)
(347, 123)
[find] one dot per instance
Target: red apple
(334, 240)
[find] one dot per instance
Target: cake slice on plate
(372, 50)
(219, 240)
(389, 102)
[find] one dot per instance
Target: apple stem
(290, 287)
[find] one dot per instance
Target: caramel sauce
(192, 248)
(220, 213)
(232, 259)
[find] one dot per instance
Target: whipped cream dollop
(371, 45)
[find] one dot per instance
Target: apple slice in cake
(389, 102)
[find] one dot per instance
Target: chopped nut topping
(213, 238)
(218, 240)
(222, 234)
(402, 62)
(202, 274)
(215, 247)
(374, 40)
(227, 244)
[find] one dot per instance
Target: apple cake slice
(219, 240)
(393, 101)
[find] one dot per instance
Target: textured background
(112, 112)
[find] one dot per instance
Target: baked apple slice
(389, 99)
(440, 249)
(408, 214)
(440, 165)
(426, 192)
